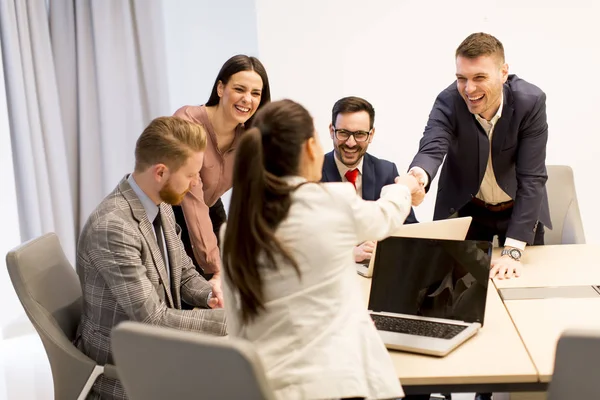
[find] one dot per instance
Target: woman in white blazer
(290, 277)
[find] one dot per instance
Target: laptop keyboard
(417, 327)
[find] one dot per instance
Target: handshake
(415, 180)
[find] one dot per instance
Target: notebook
(428, 295)
(453, 228)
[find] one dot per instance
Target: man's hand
(216, 300)
(417, 190)
(364, 251)
(420, 174)
(505, 267)
(418, 196)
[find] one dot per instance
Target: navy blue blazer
(518, 154)
(376, 174)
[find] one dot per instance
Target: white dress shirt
(342, 168)
(489, 190)
(315, 337)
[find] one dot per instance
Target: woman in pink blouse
(241, 88)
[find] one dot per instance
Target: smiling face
(479, 81)
(349, 151)
(240, 97)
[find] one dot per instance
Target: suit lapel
(330, 171)
(368, 178)
(174, 250)
(483, 148)
(147, 230)
(501, 128)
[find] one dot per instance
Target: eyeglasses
(359, 136)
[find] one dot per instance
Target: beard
(349, 162)
(170, 196)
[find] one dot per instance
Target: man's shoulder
(376, 160)
(450, 93)
(113, 209)
(329, 169)
(379, 163)
(328, 156)
(522, 90)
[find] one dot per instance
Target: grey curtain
(83, 78)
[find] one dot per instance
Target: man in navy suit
(352, 131)
(492, 129)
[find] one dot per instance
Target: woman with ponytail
(290, 277)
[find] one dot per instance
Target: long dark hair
(234, 65)
(260, 199)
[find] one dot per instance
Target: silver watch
(513, 253)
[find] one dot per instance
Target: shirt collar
(294, 180)
(149, 206)
(342, 168)
(496, 117)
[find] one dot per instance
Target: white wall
(200, 36)
(400, 54)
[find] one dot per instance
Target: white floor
(24, 369)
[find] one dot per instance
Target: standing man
(492, 129)
(352, 131)
(130, 261)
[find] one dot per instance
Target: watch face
(512, 253)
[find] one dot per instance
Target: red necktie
(351, 176)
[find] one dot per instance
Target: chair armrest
(110, 371)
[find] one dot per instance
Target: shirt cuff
(517, 244)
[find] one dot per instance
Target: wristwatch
(513, 253)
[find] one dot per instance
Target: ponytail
(259, 202)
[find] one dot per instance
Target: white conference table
(560, 265)
(540, 322)
(495, 359)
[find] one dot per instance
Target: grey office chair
(564, 208)
(576, 373)
(157, 363)
(50, 292)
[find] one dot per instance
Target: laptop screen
(431, 278)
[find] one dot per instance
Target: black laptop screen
(431, 278)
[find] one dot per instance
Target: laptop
(428, 295)
(452, 229)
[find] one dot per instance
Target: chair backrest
(163, 363)
(50, 293)
(564, 208)
(576, 373)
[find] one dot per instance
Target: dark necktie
(351, 175)
(159, 237)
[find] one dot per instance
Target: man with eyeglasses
(352, 131)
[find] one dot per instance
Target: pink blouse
(215, 179)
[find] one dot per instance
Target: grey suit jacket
(123, 277)
(518, 154)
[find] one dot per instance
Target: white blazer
(315, 338)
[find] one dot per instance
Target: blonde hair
(170, 141)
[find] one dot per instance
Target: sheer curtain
(83, 78)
